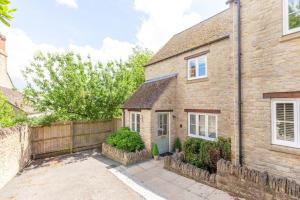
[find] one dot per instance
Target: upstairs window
(285, 122)
(135, 122)
(197, 68)
(202, 125)
(291, 16)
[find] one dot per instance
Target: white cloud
(164, 19)
(21, 49)
(70, 3)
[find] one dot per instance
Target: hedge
(126, 140)
(205, 154)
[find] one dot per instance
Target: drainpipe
(240, 103)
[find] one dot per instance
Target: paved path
(151, 175)
(78, 176)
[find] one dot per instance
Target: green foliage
(294, 16)
(205, 154)
(155, 151)
(177, 144)
(126, 140)
(72, 88)
(6, 112)
(6, 12)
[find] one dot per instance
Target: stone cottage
(237, 75)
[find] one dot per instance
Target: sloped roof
(16, 99)
(148, 93)
(211, 30)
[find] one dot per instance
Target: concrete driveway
(82, 175)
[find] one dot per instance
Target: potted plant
(177, 145)
(155, 151)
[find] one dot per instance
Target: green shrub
(155, 151)
(126, 140)
(177, 144)
(205, 154)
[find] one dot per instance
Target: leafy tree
(72, 88)
(6, 112)
(6, 12)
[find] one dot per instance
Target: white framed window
(285, 123)
(135, 121)
(197, 67)
(203, 126)
(291, 16)
(162, 124)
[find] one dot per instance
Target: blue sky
(103, 29)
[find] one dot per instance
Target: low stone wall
(242, 181)
(15, 151)
(123, 157)
(176, 165)
(253, 184)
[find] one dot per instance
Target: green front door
(162, 133)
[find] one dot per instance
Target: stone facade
(15, 152)
(124, 157)
(270, 63)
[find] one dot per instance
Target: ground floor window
(203, 125)
(135, 121)
(285, 123)
(162, 125)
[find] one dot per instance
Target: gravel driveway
(76, 176)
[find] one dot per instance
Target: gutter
(240, 102)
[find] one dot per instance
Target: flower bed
(126, 158)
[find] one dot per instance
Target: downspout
(240, 103)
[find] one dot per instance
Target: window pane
(212, 126)
(202, 125)
(193, 124)
(285, 122)
(138, 122)
(192, 68)
(133, 122)
(201, 67)
(294, 14)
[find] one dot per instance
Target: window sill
(289, 37)
(203, 138)
(284, 149)
(197, 80)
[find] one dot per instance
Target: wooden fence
(68, 137)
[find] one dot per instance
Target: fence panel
(59, 138)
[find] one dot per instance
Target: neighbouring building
(14, 97)
(237, 75)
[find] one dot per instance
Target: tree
(6, 112)
(72, 88)
(6, 12)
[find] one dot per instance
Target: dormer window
(197, 67)
(291, 16)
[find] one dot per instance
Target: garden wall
(15, 151)
(124, 157)
(245, 182)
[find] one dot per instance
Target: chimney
(2, 44)
(5, 80)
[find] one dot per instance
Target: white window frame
(135, 119)
(275, 141)
(197, 67)
(197, 135)
(286, 29)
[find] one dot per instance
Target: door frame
(169, 127)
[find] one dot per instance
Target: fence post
(71, 136)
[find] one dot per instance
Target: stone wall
(123, 157)
(15, 152)
(242, 181)
(253, 184)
